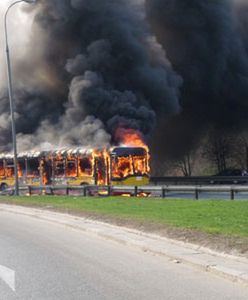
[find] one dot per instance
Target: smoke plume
(91, 67)
(206, 42)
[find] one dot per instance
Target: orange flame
(130, 137)
(101, 166)
(124, 166)
(98, 164)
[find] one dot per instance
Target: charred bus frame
(116, 166)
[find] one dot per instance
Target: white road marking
(8, 276)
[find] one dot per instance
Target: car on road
(232, 172)
(230, 176)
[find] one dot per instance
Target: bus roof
(37, 154)
(116, 151)
(126, 151)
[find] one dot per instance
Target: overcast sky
(19, 25)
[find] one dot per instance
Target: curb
(228, 266)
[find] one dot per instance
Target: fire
(122, 167)
(2, 172)
(71, 165)
(131, 165)
(44, 171)
(101, 166)
(87, 166)
(138, 164)
(130, 138)
(20, 171)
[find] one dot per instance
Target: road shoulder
(229, 266)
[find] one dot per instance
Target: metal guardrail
(136, 191)
(198, 180)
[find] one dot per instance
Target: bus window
(21, 167)
(59, 168)
(2, 172)
(139, 164)
(121, 167)
(85, 166)
(128, 161)
(71, 168)
(9, 169)
(33, 167)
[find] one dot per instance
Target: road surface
(52, 261)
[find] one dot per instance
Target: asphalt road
(56, 262)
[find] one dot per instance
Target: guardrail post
(67, 191)
(109, 190)
(163, 192)
(196, 194)
(232, 194)
(29, 190)
(135, 191)
(85, 191)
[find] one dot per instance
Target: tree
(185, 164)
(218, 149)
(240, 150)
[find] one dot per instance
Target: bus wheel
(3, 187)
(84, 183)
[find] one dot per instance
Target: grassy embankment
(214, 217)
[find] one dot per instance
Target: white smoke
(33, 73)
(87, 133)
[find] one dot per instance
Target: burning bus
(79, 166)
(129, 166)
(28, 169)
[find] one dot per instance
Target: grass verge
(228, 218)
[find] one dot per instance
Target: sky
(19, 26)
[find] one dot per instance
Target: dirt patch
(226, 244)
(221, 243)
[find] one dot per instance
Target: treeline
(216, 152)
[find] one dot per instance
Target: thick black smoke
(241, 9)
(99, 64)
(206, 42)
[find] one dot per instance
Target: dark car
(230, 176)
(231, 172)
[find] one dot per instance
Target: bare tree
(218, 149)
(185, 164)
(240, 150)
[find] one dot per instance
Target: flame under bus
(117, 166)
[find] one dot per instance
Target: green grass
(211, 216)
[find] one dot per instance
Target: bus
(79, 166)
(129, 166)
